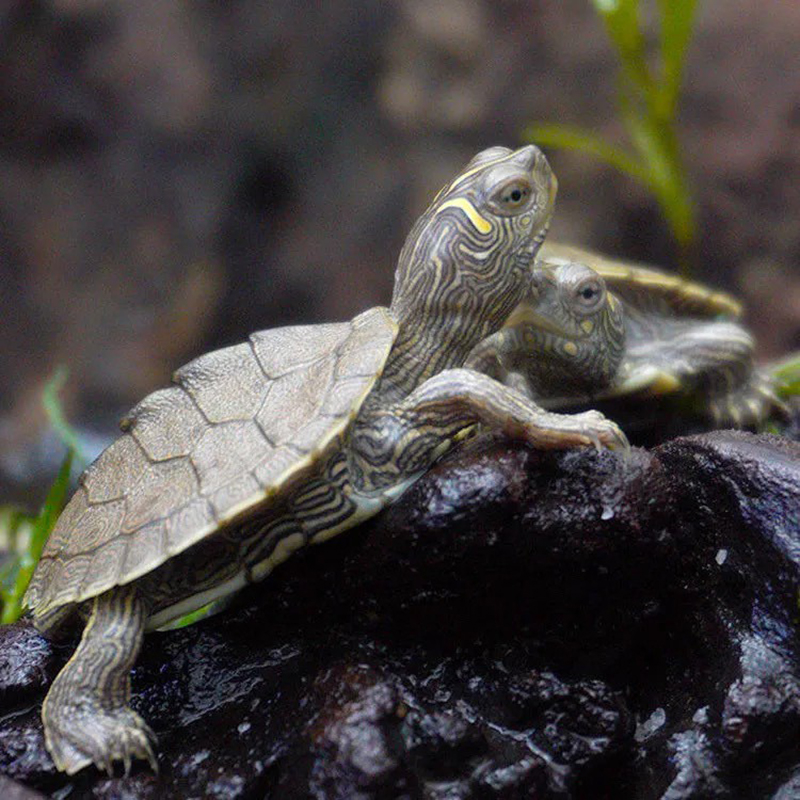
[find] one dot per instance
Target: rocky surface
(519, 625)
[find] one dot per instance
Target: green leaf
(16, 575)
(16, 572)
(677, 22)
(647, 106)
(15, 527)
(53, 504)
(55, 412)
(787, 375)
(621, 19)
(659, 152)
(568, 137)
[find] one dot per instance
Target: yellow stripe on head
(481, 224)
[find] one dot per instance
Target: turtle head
(574, 330)
(468, 257)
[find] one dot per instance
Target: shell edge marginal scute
(706, 300)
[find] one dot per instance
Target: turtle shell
(647, 289)
(662, 308)
(239, 425)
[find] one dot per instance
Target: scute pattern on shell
(238, 424)
(648, 289)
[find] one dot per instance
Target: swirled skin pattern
(595, 329)
(286, 440)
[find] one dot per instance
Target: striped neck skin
(452, 312)
(467, 263)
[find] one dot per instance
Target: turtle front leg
(713, 358)
(392, 444)
(86, 714)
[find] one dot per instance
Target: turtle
(285, 440)
(595, 328)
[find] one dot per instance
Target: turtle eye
(589, 294)
(513, 195)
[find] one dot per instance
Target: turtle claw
(619, 440)
(588, 429)
(601, 432)
(101, 737)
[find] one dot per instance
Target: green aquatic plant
(787, 376)
(25, 535)
(54, 409)
(647, 103)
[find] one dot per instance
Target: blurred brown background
(176, 174)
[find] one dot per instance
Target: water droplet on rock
(644, 730)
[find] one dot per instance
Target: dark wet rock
(519, 624)
(11, 790)
(26, 663)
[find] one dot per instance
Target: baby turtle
(286, 440)
(598, 329)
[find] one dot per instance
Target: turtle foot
(750, 405)
(589, 429)
(82, 733)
